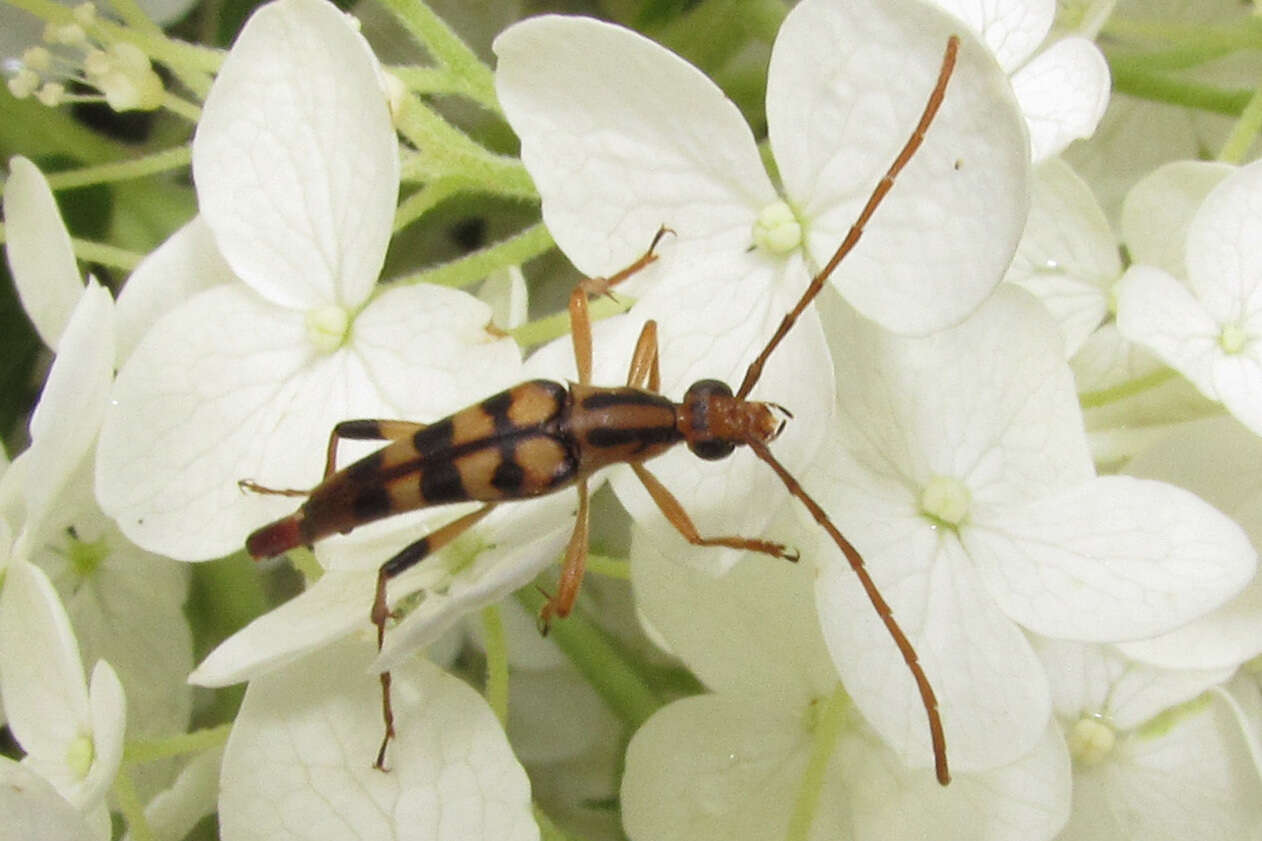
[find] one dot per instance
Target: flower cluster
(1029, 395)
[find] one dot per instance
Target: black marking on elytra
(372, 502)
(508, 476)
(434, 438)
(627, 397)
(365, 471)
(441, 482)
(645, 436)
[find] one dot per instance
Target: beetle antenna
(927, 697)
(856, 230)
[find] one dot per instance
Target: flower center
(79, 755)
(1232, 338)
(85, 555)
(777, 230)
(1091, 740)
(946, 500)
(327, 326)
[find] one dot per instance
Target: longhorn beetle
(541, 436)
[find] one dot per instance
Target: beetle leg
(644, 369)
(408, 557)
(580, 318)
(674, 511)
(575, 564)
(366, 430)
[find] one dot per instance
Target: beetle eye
(712, 449)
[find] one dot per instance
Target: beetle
(539, 437)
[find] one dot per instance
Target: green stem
(1244, 132)
(469, 269)
(444, 151)
(423, 201)
(433, 33)
(181, 107)
(610, 567)
(141, 751)
(828, 724)
(558, 324)
(133, 810)
(496, 662)
(105, 255)
(1241, 34)
(164, 161)
(1135, 80)
(135, 17)
(429, 81)
(617, 680)
(1105, 396)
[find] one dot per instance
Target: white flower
(298, 763)
(1154, 758)
(1063, 90)
(962, 476)
(734, 764)
(1068, 254)
(34, 811)
(621, 137)
(1207, 323)
(72, 732)
(296, 165)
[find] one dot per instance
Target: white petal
(1068, 255)
(1114, 559)
(1238, 383)
(109, 716)
(505, 292)
(1192, 778)
(173, 812)
(38, 246)
(1063, 92)
(757, 633)
(846, 85)
(1225, 247)
(1011, 28)
(335, 606)
(1221, 461)
(1158, 211)
(299, 762)
(621, 136)
(1160, 313)
(41, 676)
(295, 157)
(708, 329)
(66, 421)
(918, 408)
(185, 264)
(713, 768)
(34, 811)
(1025, 800)
(990, 687)
(226, 387)
(428, 350)
(520, 540)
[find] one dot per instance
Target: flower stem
(140, 751)
(827, 728)
(423, 201)
(496, 662)
(1244, 132)
(616, 679)
(609, 567)
(558, 324)
(133, 810)
(447, 49)
(1105, 396)
(1134, 79)
(164, 161)
(469, 269)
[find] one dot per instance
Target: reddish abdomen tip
(277, 537)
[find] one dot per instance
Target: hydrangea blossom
(975, 503)
(1206, 324)
(71, 730)
(617, 154)
(737, 763)
(245, 379)
(1155, 754)
(1063, 89)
